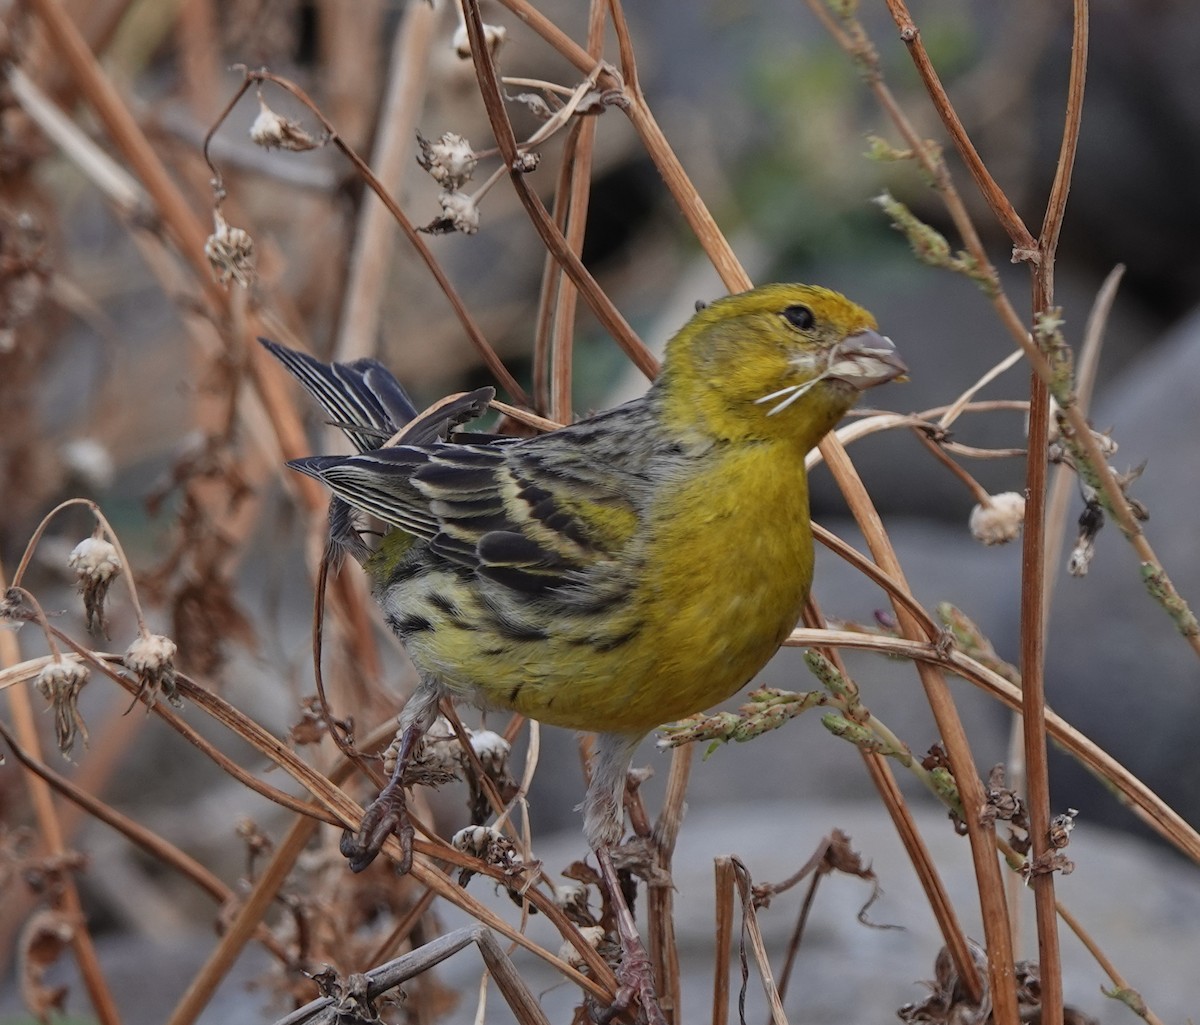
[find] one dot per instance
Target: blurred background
(115, 385)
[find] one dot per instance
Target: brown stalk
(865, 566)
(1065, 481)
(566, 295)
(885, 784)
(199, 55)
(146, 839)
(660, 900)
(493, 362)
(489, 86)
(552, 277)
(50, 829)
(982, 836)
(1023, 242)
(858, 47)
(1033, 550)
(724, 881)
(347, 32)
(185, 229)
(1148, 806)
(701, 222)
(373, 245)
(751, 930)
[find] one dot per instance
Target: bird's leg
(636, 974)
(388, 813)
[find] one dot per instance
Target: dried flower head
(450, 161)
(274, 131)
(151, 658)
(230, 253)
(999, 521)
(96, 564)
(492, 750)
(1080, 559)
(527, 161)
(493, 38)
(572, 897)
(60, 682)
(489, 845)
(593, 935)
(459, 212)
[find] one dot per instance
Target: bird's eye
(800, 317)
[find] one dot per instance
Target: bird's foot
(636, 983)
(635, 977)
(386, 815)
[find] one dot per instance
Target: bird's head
(777, 361)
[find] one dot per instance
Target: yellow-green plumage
(632, 568)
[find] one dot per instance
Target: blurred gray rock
(1116, 667)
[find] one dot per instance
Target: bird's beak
(866, 359)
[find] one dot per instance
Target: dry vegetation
(197, 208)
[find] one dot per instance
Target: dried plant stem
(493, 362)
(371, 255)
(751, 930)
(982, 836)
(884, 780)
(1065, 479)
(189, 236)
(552, 280)
(566, 296)
(1109, 969)
(1155, 812)
(114, 539)
(148, 841)
(978, 491)
(53, 839)
(660, 901)
(724, 880)
(608, 315)
(1163, 590)
(1033, 550)
(176, 214)
(1033, 699)
(1023, 241)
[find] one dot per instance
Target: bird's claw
(386, 815)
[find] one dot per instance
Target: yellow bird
(627, 570)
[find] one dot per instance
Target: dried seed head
(152, 659)
(1061, 827)
(96, 564)
(476, 840)
(492, 750)
(94, 559)
(59, 683)
(1080, 560)
(592, 934)
(1000, 520)
(527, 161)
(460, 212)
(493, 38)
(487, 844)
(573, 899)
(440, 747)
(450, 161)
(273, 131)
(230, 253)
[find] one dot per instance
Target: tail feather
(362, 397)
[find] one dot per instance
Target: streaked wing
(499, 509)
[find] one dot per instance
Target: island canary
(629, 569)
